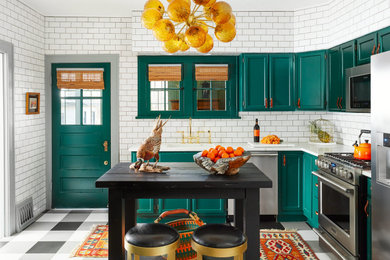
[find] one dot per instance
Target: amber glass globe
(208, 45)
(183, 45)
(156, 4)
(225, 32)
(195, 36)
(173, 45)
(188, 1)
(233, 19)
(210, 3)
(164, 30)
(203, 25)
(150, 17)
(179, 10)
(221, 12)
(202, 2)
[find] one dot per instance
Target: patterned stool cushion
(151, 235)
(218, 236)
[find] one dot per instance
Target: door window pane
(92, 92)
(92, 111)
(165, 95)
(70, 111)
(70, 92)
(211, 95)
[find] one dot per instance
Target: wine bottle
(256, 132)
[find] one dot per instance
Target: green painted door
(307, 186)
(80, 126)
(366, 46)
(310, 69)
(384, 39)
(281, 82)
(348, 60)
(290, 186)
(335, 83)
(254, 82)
(170, 204)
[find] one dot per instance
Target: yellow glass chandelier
(192, 25)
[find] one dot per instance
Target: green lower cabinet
(369, 221)
(209, 210)
(290, 187)
(310, 190)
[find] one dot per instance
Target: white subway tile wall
(306, 29)
(24, 28)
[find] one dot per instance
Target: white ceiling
(124, 7)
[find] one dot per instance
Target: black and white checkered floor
(58, 232)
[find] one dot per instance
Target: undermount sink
(195, 147)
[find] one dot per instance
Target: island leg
(116, 225)
(239, 214)
(252, 223)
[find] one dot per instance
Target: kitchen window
(184, 86)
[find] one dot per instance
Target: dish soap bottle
(256, 132)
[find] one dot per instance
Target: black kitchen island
(183, 180)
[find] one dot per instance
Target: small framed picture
(32, 103)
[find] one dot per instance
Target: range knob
(349, 175)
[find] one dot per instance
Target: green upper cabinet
(290, 186)
(310, 69)
(267, 82)
(281, 82)
(334, 79)
(348, 60)
(254, 82)
(366, 46)
(384, 39)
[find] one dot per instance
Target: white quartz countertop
(304, 147)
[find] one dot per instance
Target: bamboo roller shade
(80, 79)
(165, 72)
(212, 72)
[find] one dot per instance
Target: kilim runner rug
(274, 245)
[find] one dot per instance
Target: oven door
(338, 203)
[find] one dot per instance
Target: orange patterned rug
(95, 245)
(274, 245)
(284, 245)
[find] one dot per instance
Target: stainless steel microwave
(358, 89)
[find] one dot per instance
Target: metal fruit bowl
(226, 166)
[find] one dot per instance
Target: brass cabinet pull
(337, 102)
(377, 50)
(316, 185)
(341, 106)
(373, 50)
(299, 102)
(284, 160)
(266, 103)
(272, 103)
(105, 145)
(316, 212)
(365, 208)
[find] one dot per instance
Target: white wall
(24, 28)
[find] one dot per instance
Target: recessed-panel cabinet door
(310, 68)
(254, 82)
(348, 60)
(281, 82)
(366, 46)
(335, 83)
(307, 186)
(384, 40)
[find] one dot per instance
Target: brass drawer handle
(316, 185)
(373, 50)
(105, 145)
(266, 103)
(337, 102)
(316, 212)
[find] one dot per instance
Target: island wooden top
(183, 175)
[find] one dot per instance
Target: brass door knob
(106, 163)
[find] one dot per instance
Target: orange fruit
(211, 156)
(204, 153)
(232, 155)
(211, 149)
(221, 152)
(216, 159)
(225, 155)
(217, 147)
(241, 149)
(229, 149)
(215, 152)
(221, 148)
(237, 152)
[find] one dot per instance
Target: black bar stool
(153, 239)
(219, 240)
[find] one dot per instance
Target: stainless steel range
(341, 203)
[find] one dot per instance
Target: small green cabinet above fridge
(267, 82)
(310, 80)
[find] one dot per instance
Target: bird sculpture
(150, 149)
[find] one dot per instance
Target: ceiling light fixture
(193, 25)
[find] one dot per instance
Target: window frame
(188, 105)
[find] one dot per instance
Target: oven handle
(332, 182)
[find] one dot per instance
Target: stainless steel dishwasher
(267, 162)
